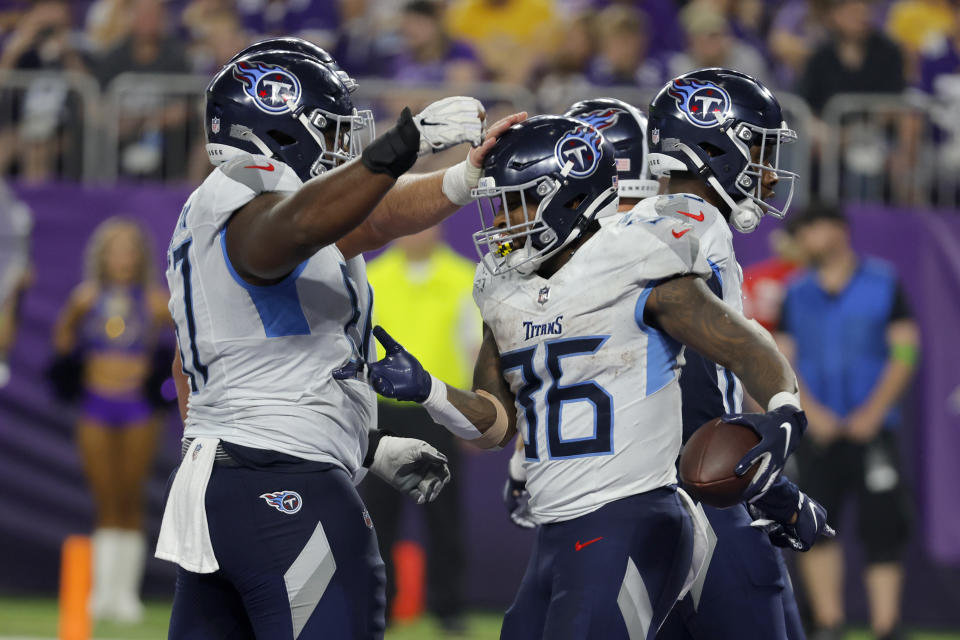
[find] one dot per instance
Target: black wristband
(395, 151)
(373, 441)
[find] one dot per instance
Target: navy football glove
(773, 512)
(399, 375)
(780, 431)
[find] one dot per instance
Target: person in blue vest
(848, 329)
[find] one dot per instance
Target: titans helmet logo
(288, 502)
(703, 104)
(600, 119)
(580, 146)
(274, 89)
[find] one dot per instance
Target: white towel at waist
(184, 536)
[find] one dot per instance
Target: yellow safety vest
(426, 315)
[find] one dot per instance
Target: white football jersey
(259, 358)
(716, 244)
(597, 399)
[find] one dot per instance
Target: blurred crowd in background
(551, 49)
(873, 89)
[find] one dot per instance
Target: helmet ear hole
(281, 138)
(575, 202)
(712, 150)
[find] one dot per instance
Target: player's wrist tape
(494, 434)
(443, 412)
(459, 180)
(396, 150)
(784, 398)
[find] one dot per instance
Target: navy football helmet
(299, 45)
(287, 105)
(625, 127)
(559, 165)
(705, 123)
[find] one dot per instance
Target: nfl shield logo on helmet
(655, 136)
(703, 104)
(367, 520)
(274, 89)
(288, 502)
(214, 125)
(580, 147)
(544, 295)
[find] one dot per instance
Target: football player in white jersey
(584, 327)
(625, 128)
(716, 135)
(270, 297)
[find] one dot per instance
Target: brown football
(709, 458)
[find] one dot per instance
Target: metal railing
(53, 113)
(890, 148)
(865, 148)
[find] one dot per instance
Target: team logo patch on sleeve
(274, 89)
(703, 104)
(580, 146)
(288, 502)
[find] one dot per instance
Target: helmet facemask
(340, 138)
(749, 183)
(514, 235)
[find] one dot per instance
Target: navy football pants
(309, 571)
(611, 574)
(747, 591)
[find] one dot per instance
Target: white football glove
(411, 466)
(449, 122)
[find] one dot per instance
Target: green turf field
(37, 618)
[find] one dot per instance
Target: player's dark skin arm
(687, 310)
(273, 233)
(182, 385)
(487, 376)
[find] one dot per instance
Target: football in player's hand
(709, 458)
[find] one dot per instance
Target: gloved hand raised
(399, 375)
(449, 122)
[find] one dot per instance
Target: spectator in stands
(43, 112)
(511, 36)
(564, 78)
(797, 29)
(153, 139)
(314, 20)
(445, 328)
(667, 36)
(855, 57)
(215, 39)
(363, 44)
(711, 44)
(918, 25)
(106, 339)
(623, 45)
(848, 329)
(765, 283)
(939, 78)
(108, 22)
(16, 272)
(428, 55)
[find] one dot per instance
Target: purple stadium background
(43, 495)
